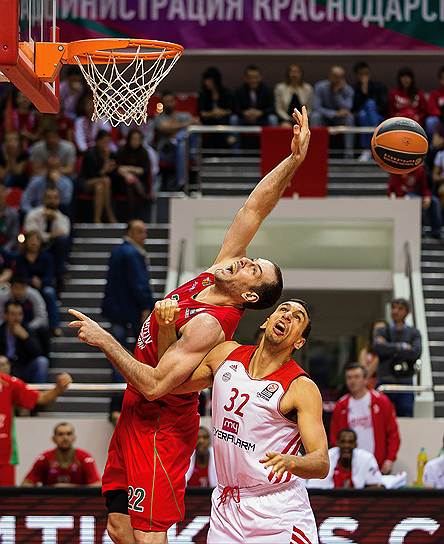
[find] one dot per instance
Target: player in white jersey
(264, 408)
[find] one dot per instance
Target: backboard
(22, 23)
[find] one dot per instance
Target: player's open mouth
(279, 328)
(232, 269)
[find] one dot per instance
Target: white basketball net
(122, 91)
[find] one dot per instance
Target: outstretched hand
(301, 134)
(89, 331)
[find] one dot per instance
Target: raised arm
(199, 336)
(305, 398)
(266, 194)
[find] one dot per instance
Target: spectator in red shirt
(64, 466)
(15, 393)
(370, 414)
(406, 100)
(202, 471)
(435, 112)
(415, 185)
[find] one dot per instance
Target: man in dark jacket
(254, 101)
(128, 299)
(398, 348)
(21, 346)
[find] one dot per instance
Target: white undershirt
(360, 420)
(434, 473)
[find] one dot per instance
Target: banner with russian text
(261, 24)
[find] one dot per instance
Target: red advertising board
(343, 517)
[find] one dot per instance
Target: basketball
(399, 145)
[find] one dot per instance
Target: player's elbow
(151, 394)
(323, 468)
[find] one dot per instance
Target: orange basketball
(399, 145)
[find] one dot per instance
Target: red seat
(13, 197)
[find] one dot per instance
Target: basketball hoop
(122, 73)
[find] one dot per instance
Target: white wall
(93, 435)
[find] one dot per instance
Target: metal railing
(200, 130)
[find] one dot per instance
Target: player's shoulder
(83, 455)
(304, 389)
(203, 319)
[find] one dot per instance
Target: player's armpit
(203, 376)
(199, 336)
(305, 398)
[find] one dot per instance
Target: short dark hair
(347, 430)
(360, 65)
(62, 424)
(402, 302)
(352, 366)
(10, 303)
(252, 67)
(19, 279)
(306, 307)
(102, 134)
(268, 293)
(167, 92)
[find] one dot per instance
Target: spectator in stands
(99, 170)
(52, 146)
(53, 178)
(415, 185)
(292, 93)
(398, 348)
(86, 130)
(434, 123)
(369, 104)
(438, 176)
(202, 470)
(406, 100)
(434, 471)
(64, 466)
(370, 414)
(134, 167)
(215, 106)
(6, 265)
(367, 356)
(171, 128)
(9, 223)
(13, 162)
(24, 120)
(350, 467)
(254, 100)
(16, 394)
(333, 103)
(71, 90)
(54, 229)
(21, 346)
(65, 125)
(128, 299)
(37, 266)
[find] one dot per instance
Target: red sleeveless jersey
(146, 348)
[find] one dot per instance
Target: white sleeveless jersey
(247, 421)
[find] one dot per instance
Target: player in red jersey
(14, 392)
(154, 439)
(64, 466)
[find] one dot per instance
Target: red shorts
(7, 475)
(148, 456)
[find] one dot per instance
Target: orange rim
(100, 50)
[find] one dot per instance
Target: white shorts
(279, 515)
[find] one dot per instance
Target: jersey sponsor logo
(206, 282)
(229, 437)
(268, 391)
(175, 297)
(191, 311)
(193, 286)
(145, 334)
(233, 367)
(226, 377)
(230, 426)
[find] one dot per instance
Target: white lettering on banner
(262, 10)
(315, 15)
(393, 9)
(329, 525)
(108, 9)
(353, 15)
(428, 17)
(409, 6)
(87, 530)
(88, 9)
(235, 10)
(49, 526)
(278, 6)
(176, 10)
(7, 529)
(125, 13)
(408, 525)
(373, 15)
(197, 12)
(335, 6)
(67, 9)
(190, 531)
(298, 11)
(156, 6)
